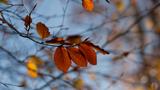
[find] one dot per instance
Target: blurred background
(128, 29)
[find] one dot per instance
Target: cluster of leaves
(71, 48)
(80, 54)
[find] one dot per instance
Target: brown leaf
(97, 47)
(42, 30)
(4, 1)
(78, 84)
(56, 41)
(133, 2)
(77, 57)
(120, 5)
(62, 59)
(27, 21)
(75, 39)
(88, 5)
(89, 53)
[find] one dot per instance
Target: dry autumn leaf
(42, 30)
(57, 40)
(75, 39)
(78, 84)
(88, 5)
(33, 64)
(27, 21)
(77, 57)
(62, 59)
(120, 5)
(4, 1)
(89, 53)
(97, 47)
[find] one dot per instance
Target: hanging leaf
(32, 70)
(88, 5)
(78, 84)
(42, 30)
(75, 39)
(77, 57)
(36, 60)
(33, 64)
(89, 53)
(62, 59)
(4, 1)
(57, 40)
(27, 21)
(97, 47)
(120, 5)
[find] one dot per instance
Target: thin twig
(131, 26)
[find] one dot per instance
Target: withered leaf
(57, 40)
(4, 1)
(78, 84)
(77, 57)
(27, 21)
(42, 30)
(89, 53)
(62, 59)
(97, 47)
(75, 39)
(120, 5)
(88, 5)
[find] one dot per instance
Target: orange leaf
(27, 21)
(55, 41)
(42, 30)
(75, 39)
(36, 60)
(32, 70)
(89, 53)
(77, 57)
(88, 5)
(62, 59)
(97, 47)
